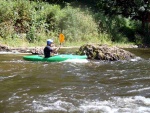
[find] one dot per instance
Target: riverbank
(93, 51)
(39, 49)
(27, 50)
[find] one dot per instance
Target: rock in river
(104, 52)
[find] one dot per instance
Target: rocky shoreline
(23, 50)
(28, 50)
(93, 51)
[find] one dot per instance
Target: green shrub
(78, 25)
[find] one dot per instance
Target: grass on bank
(24, 43)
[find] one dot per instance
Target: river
(75, 87)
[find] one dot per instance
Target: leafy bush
(78, 25)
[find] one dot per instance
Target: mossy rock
(104, 52)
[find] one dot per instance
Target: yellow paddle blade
(61, 38)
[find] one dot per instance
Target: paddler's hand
(57, 49)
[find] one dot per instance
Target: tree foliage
(121, 20)
(137, 10)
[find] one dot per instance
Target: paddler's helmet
(49, 41)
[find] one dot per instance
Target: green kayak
(56, 58)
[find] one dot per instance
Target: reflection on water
(74, 87)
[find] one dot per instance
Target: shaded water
(75, 87)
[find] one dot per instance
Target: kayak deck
(56, 58)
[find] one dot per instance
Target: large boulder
(104, 52)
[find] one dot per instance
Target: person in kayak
(49, 50)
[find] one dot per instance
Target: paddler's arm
(55, 50)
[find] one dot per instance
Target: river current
(81, 86)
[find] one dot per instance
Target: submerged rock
(104, 52)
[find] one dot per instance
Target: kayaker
(49, 50)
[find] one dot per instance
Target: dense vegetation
(99, 21)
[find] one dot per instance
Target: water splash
(137, 104)
(136, 59)
(77, 60)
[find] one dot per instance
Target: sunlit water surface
(75, 86)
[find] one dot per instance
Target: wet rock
(32, 50)
(4, 48)
(37, 51)
(104, 52)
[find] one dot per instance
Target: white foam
(77, 60)
(4, 78)
(145, 101)
(137, 104)
(139, 90)
(55, 106)
(96, 106)
(4, 52)
(136, 59)
(14, 61)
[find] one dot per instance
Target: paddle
(61, 38)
